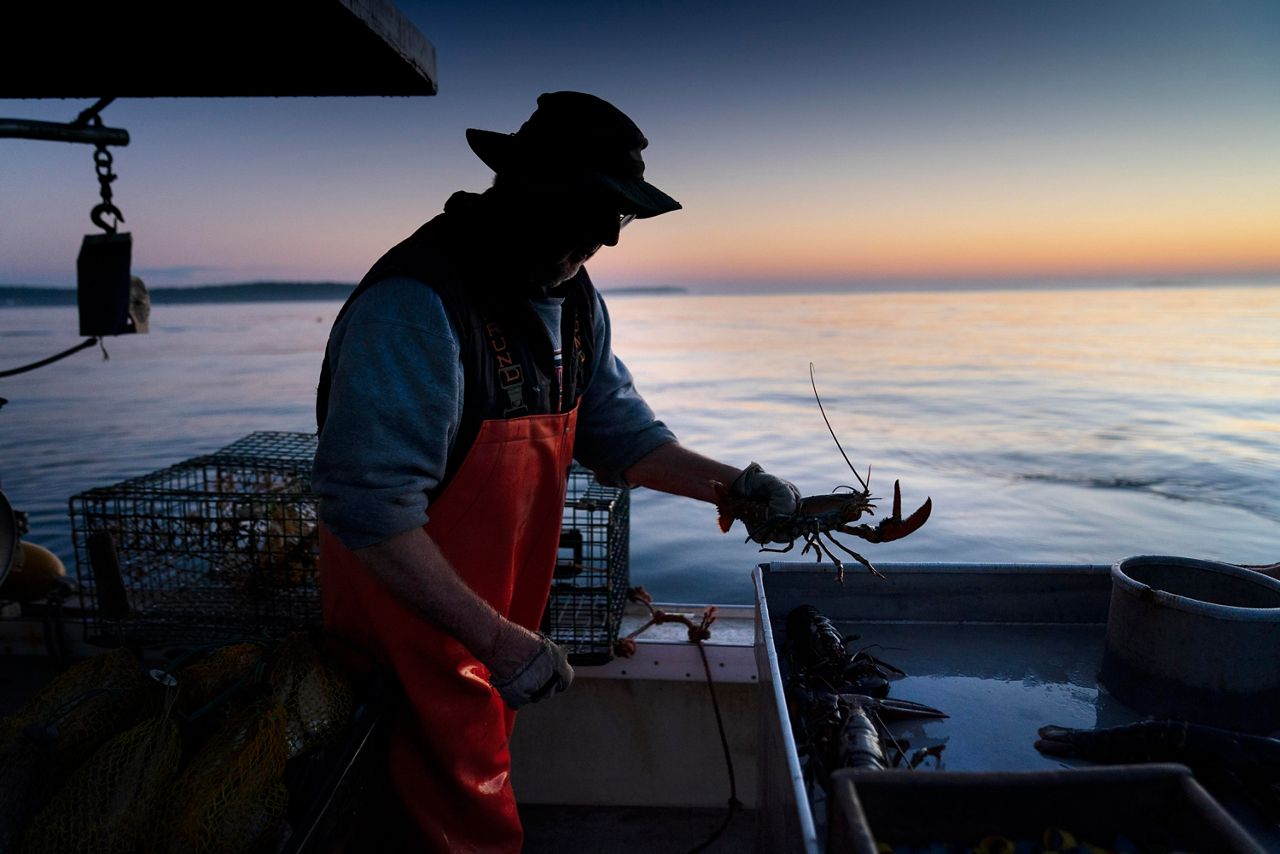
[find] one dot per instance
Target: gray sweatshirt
(395, 405)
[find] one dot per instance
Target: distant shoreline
(26, 296)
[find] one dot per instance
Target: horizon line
(1034, 279)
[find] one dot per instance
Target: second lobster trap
(217, 547)
(589, 588)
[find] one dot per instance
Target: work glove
(757, 485)
(545, 672)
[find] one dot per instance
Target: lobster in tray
(838, 702)
(818, 516)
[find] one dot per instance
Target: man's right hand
(756, 484)
(526, 667)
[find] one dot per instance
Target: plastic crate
(589, 589)
(218, 547)
(1157, 807)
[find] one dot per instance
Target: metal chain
(102, 161)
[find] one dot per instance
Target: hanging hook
(103, 210)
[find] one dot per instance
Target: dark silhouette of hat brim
(498, 151)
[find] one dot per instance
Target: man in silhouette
(467, 370)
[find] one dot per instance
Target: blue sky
(808, 142)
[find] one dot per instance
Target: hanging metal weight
(104, 286)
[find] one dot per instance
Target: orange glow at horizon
(1105, 244)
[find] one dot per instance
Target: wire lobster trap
(589, 586)
(218, 547)
(224, 546)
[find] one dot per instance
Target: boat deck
(630, 759)
(553, 829)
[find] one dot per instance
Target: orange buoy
(35, 572)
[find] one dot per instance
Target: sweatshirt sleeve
(394, 408)
(616, 427)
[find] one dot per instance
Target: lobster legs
(813, 540)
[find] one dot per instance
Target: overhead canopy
(231, 48)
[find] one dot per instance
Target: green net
(87, 705)
(232, 793)
(58, 730)
(316, 697)
(202, 682)
(111, 801)
(84, 705)
(22, 785)
(122, 791)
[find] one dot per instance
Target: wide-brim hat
(577, 140)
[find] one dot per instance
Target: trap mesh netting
(589, 588)
(224, 546)
(221, 546)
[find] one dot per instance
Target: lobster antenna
(814, 383)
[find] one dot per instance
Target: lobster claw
(893, 527)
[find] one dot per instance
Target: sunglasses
(596, 217)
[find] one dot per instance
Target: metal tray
(1002, 648)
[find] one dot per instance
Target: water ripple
(1044, 425)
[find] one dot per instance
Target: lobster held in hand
(818, 516)
(814, 516)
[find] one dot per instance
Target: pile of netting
(191, 757)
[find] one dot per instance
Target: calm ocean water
(1060, 425)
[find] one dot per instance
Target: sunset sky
(810, 143)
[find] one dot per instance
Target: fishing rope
(734, 803)
(698, 632)
(102, 165)
(88, 342)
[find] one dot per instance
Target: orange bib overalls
(498, 523)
